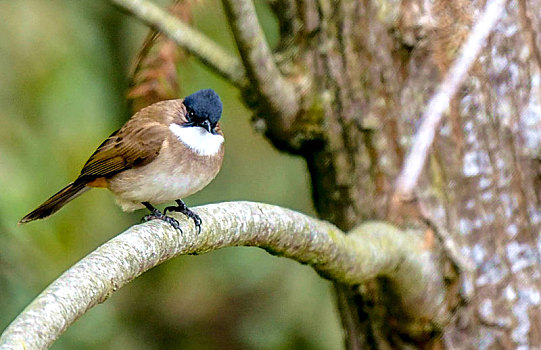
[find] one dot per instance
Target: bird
(163, 153)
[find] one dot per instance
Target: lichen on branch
(372, 250)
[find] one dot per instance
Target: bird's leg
(156, 214)
(183, 208)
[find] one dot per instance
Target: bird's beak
(206, 125)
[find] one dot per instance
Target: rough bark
(365, 70)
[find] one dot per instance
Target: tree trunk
(364, 71)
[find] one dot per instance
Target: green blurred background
(63, 79)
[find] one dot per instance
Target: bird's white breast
(165, 179)
(198, 139)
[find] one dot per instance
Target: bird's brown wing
(134, 145)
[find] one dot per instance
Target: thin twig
(431, 120)
(193, 41)
(371, 250)
(266, 78)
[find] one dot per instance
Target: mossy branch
(190, 39)
(277, 93)
(373, 249)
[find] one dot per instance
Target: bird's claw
(196, 219)
(182, 208)
(159, 216)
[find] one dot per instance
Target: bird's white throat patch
(198, 139)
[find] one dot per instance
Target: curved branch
(188, 38)
(266, 78)
(372, 250)
(431, 119)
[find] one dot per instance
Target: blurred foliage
(63, 78)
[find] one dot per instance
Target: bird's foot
(183, 208)
(158, 215)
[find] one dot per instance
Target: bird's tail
(53, 204)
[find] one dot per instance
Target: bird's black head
(204, 108)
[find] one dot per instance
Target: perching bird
(165, 152)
